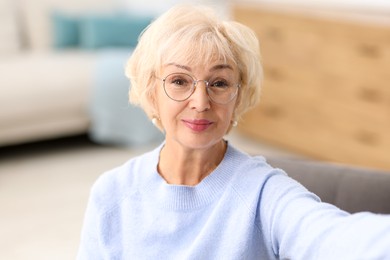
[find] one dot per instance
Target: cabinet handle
(369, 50)
(274, 74)
(370, 94)
(275, 34)
(367, 138)
(273, 111)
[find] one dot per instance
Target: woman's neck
(183, 166)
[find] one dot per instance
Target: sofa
(51, 55)
(353, 189)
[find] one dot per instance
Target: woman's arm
(299, 226)
(89, 242)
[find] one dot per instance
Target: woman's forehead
(197, 54)
(191, 60)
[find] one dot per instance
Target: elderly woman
(196, 196)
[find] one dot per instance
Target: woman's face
(197, 122)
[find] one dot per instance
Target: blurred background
(65, 118)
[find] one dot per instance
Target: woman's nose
(200, 100)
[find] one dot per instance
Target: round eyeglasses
(180, 86)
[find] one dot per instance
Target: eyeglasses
(180, 86)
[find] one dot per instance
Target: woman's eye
(179, 82)
(220, 84)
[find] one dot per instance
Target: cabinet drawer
(326, 91)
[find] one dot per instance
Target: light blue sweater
(244, 209)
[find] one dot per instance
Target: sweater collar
(181, 197)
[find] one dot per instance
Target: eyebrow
(214, 68)
(179, 66)
(221, 66)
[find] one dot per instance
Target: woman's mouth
(198, 125)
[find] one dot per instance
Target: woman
(196, 196)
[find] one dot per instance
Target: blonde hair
(196, 35)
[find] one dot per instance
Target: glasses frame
(194, 85)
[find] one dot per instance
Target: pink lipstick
(198, 125)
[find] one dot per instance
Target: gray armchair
(352, 189)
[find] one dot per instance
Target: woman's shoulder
(252, 165)
(124, 179)
(252, 172)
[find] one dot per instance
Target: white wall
(155, 7)
(363, 5)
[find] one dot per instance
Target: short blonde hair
(196, 35)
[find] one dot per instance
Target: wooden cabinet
(326, 91)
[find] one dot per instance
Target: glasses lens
(222, 90)
(179, 86)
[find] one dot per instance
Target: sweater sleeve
(300, 226)
(89, 247)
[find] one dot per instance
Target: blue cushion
(65, 30)
(113, 120)
(97, 31)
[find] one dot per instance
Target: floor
(44, 189)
